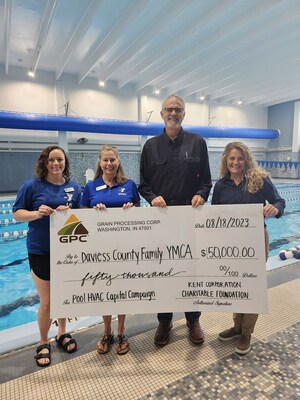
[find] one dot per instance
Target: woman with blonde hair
(111, 188)
(243, 182)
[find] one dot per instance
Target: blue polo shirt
(35, 192)
(97, 191)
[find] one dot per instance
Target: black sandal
(40, 355)
(64, 346)
(105, 342)
(123, 344)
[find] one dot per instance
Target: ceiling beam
(257, 61)
(152, 56)
(43, 31)
(226, 51)
(248, 74)
(273, 102)
(291, 92)
(167, 14)
(113, 35)
(77, 36)
(258, 64)
(225, 24)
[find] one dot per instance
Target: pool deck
(180, 370)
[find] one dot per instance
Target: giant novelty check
(148, 260)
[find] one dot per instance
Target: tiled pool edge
(275, 262)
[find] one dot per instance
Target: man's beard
(173, 123)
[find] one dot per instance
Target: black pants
(189, 315)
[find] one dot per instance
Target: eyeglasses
(171, 109)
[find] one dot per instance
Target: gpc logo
(73, 231)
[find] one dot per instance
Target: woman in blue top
(51, 191)
(111, 188)
(243, 182)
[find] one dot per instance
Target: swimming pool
(284, 232)
(19, 302)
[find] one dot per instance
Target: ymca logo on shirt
(70, 196)
(122, 192)
(69, 199)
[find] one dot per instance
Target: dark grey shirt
(175, 169)
(227, 192)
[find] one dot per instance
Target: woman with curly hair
(243, 182)
(50, 191)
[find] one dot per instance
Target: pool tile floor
(180, 370)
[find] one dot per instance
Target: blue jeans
(190, 316)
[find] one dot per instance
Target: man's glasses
(171, 109)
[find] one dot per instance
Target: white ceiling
(226, 49)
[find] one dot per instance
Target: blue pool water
(285, 232)
(18, 300)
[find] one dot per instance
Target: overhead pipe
(46, 122)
